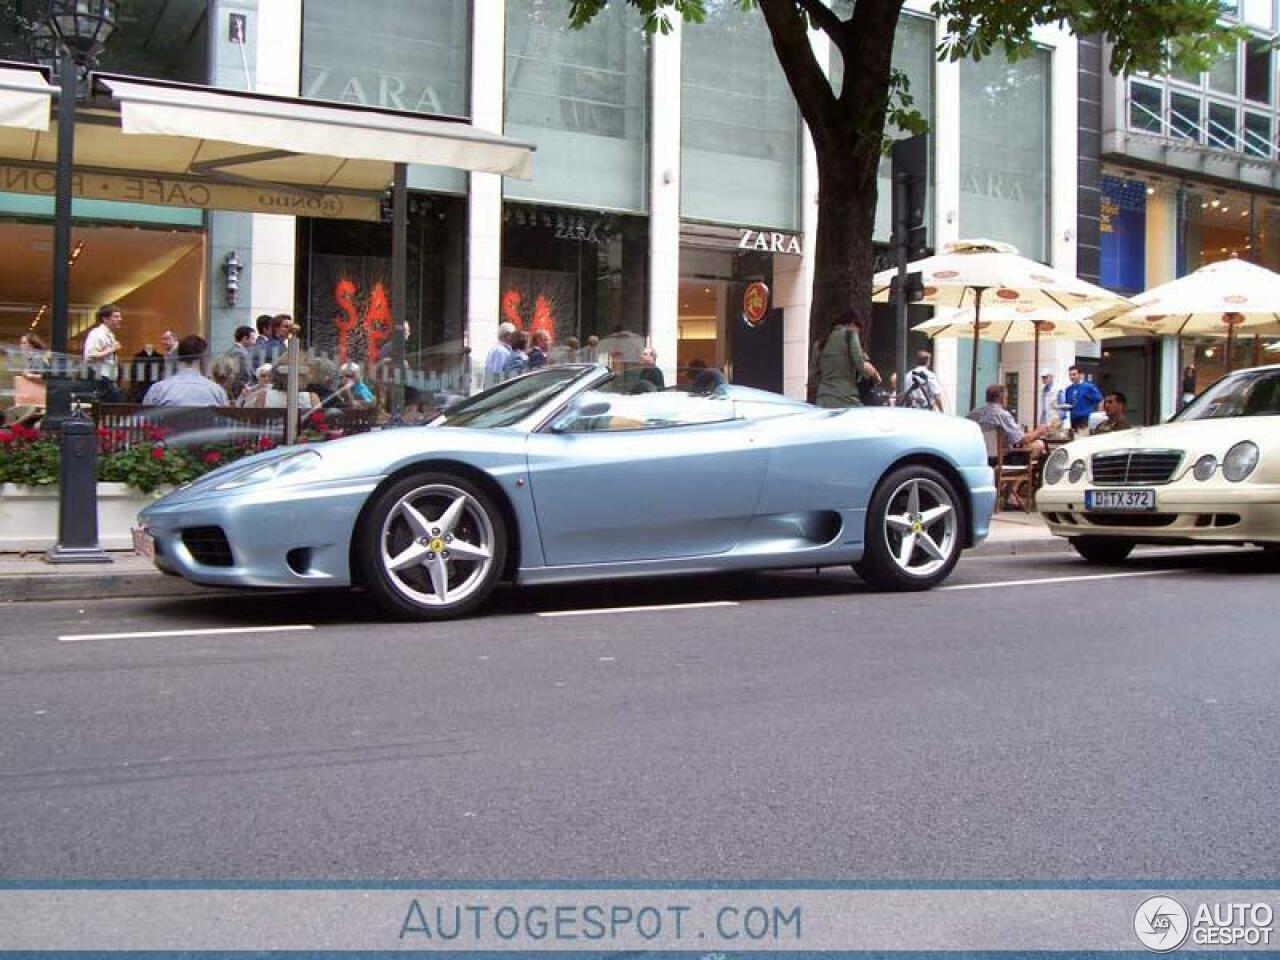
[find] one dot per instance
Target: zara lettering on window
(769, 242)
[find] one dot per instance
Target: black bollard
(78, 493)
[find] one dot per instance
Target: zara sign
(769, 242)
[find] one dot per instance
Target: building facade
(1187, 173)
(673, 182)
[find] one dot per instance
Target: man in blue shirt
(188, 387)
(495, 364)
(1083, 398)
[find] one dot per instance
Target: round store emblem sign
(755, 303)
(1161, 924)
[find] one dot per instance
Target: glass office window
(1004, 151)
(1146, 108)
(581, 96)
(1225, 72)
(1184, 116)
(739, 125)
(914, 54)
(398, 54)
(159, 39)
(1222, 127)
(1257, 135)
(1257, 71)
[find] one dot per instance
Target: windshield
(509, 403)
(1251, 393)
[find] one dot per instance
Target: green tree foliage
(849, 124)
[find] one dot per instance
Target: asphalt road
(1036, 719)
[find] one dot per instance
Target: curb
(1014, 548)
(18, 588)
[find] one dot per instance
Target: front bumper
(982, 501)
(1186, 512)
(278, 535)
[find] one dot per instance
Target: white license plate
(143, 543)
(1121, 500)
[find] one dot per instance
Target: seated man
(1020, 445)
(188, 387)
(1113, 405)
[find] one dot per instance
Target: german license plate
(143, 543)
(1120, 500)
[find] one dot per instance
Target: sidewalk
(28, 577)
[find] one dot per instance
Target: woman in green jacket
(837, 363)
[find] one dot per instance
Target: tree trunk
(848, 128)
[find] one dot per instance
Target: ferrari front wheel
(914, 531)
(432, 547)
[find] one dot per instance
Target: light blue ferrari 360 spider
(560, 475)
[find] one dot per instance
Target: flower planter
(29, 516)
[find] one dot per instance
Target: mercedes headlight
(1240, 461)
(1077, 471)
(1204, 467)
(1056, 465)
(288, 465)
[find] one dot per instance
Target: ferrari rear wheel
(914, 531)
(432, 547)
(1102, 549)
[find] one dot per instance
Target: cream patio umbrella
(1019, 325)
(978, 273)
(1227, 298)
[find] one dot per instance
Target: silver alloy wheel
(921, 527)
(437, 545)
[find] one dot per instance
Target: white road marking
(212, 632)
(652, 607)
(1041, 580)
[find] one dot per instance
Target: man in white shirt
(101, 348)
(188, 387)
(923, 391)
(495, 363)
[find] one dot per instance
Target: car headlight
(1077, 471)
(1240, 461)
(1204, 467)
(289, 464)
(1056, 465)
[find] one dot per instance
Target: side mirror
(580, 411)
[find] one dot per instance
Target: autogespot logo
(1161, 924)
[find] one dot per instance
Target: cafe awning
(177, 144)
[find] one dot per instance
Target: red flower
(316, 419)
(213, 456)
(24, 433)
(157, 453)
(266, 443)
(7, 436)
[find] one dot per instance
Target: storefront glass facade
(575, 273)
(739, 126)
(344, 290)
(582, 97)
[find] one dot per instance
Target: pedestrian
(518, 359)
(101, 350)
(265, 349)
(924, 392)
(703, 380)
(258, 389)
(188, 387)
(496, 361)
(538, 351)
(354, 391)
(1020, 445)
(147, 368)
(1082, 397)
(837, 363)
(241, 352)
(649, 370)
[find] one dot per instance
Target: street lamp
(79, 28)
